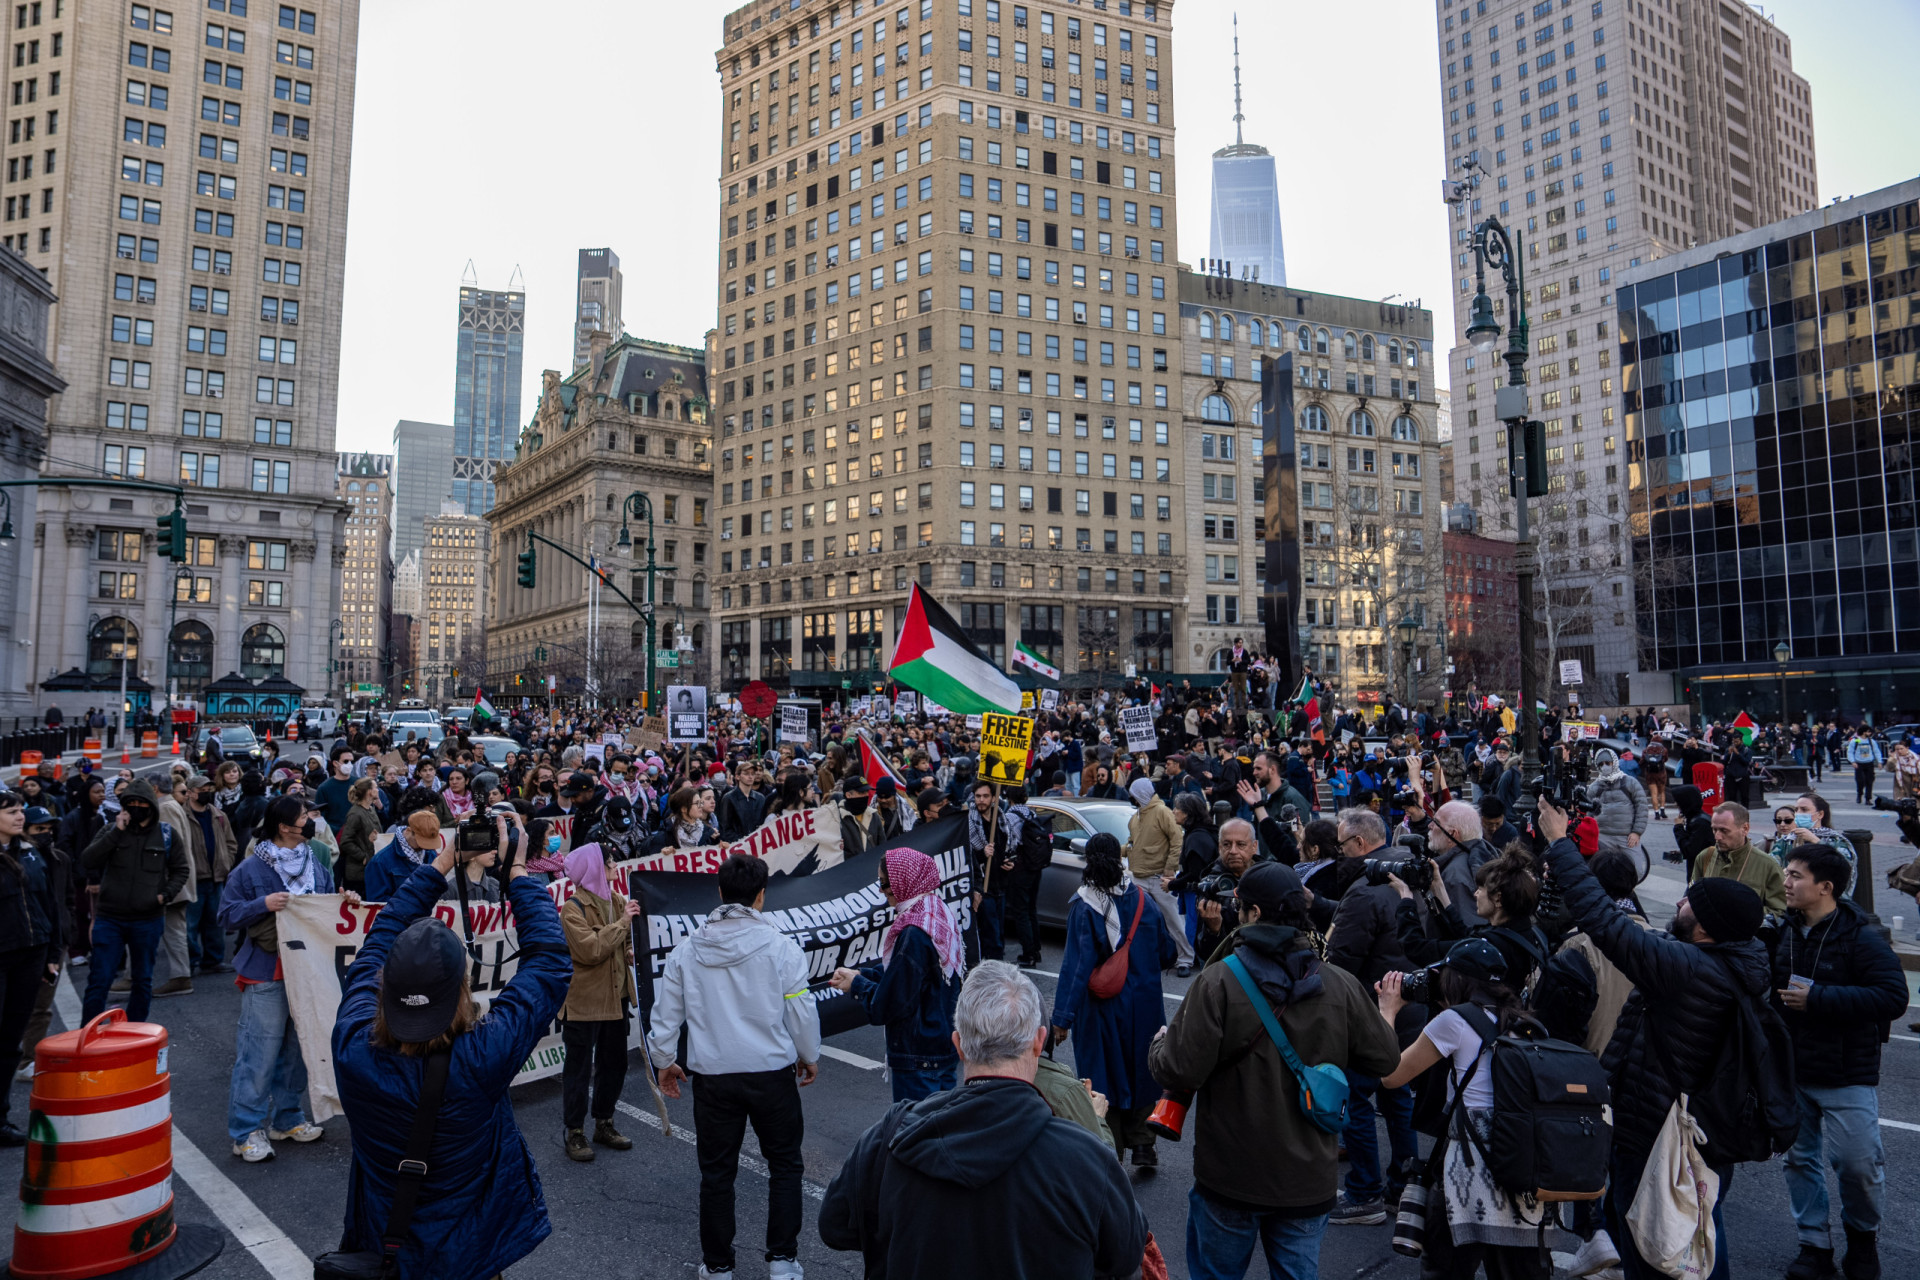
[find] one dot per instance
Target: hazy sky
(480, 135)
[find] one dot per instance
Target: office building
(947, 343)
(1605, 136)
(193, 228)
(632, 419)
(1366, 423)
(451, 626)
(1482, 598)
(1245, 230)
(596, 300)
(486, 386)
(364, 481)
(422, 479)
(1768, 385)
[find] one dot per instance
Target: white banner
(1138, 722)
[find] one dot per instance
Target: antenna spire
(1237, 117)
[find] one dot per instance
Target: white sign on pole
(1049, 699)
(973, 721)
(906, 704)
(793, 724)
(1570, 672)
(686, 713)
(1138, 722)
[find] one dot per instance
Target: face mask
(204, 798)
(553, 844)
(139, 815)
(856, 805)
(307, 829)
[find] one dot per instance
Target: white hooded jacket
(739, 986)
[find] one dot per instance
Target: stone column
(73, 631)
(227, 620)
(306, 626)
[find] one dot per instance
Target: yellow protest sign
(1004, 743)
(1026, 699)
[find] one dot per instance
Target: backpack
(1746, 1106)
(1552, 1134)
(1035, 852)
(1565, 996)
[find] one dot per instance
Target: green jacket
(138, 871)
(1758, 871)
(1068, 1098)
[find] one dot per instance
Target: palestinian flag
(1308, 700)
(933, 656)
(482, 709)
(1025, 657)
(1744, 726)
(874, 766)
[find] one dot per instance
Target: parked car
(237, 741)
(1074, 823)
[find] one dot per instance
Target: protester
(1264, 1175)
(414, 845)
(30, 924)
(912, 991)
(1029, 854)
(739, 988)
(983, 1180)
(1623, 810)
(357, 832)
(1734, 857)
(138, 866)
(1460, 848)
(1693, 833)
(1153, 851)
(987, 845)
(173, 963)
(598, 922)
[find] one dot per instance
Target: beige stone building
(451, 626)
(947, 343)
(180, 175)
(1366, 431)
(1606, 135)
(632, 419)
(362, 650)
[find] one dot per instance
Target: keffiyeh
(1107, 904)
(295, 865)
(914, 881)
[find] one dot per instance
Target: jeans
(722, 1106)
(1365, 1182)
(1622, 1182)
(139, 939)
(1220, 1241)
(1862, 783)
(1841, 1122)
(596, 1054)
(206, 941)
(923, 1079)
(269, 1088)
(23, 973)
(1160, 898)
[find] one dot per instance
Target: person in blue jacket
(408, 996)
(413, 846)
(1111, 1036)
(913, 990)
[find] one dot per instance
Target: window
(271, 476)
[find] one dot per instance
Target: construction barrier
(150, 744)
(29, 761)
(90, 749)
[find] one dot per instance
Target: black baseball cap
(577, 784)
(420, 985)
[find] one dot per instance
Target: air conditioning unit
(290, 320)
(1020, 93)
(124, 253)
(217, 268)
(145, 302)
(217, 393)
(899, 237)
(196, 306)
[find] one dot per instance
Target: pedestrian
(1623, 808)
(1837, 985)
(138, 866)
(598, 922)
(739, 988)
(1863, 753)
(1153, 851)
(413, 846)
(1110, 913)
(30, 923)
(1265, 1176)
(357, 834)
(912, 991)
(215, 849)
(1654, 774)
(1693, 833)
(173, 965)
(984, 1180)
(1734, 856)
(408, 1017)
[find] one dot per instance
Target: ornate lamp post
(640, 509)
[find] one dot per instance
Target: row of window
(199, 470)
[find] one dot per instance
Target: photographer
(1214, 889)
(408, 1001)
(1505, 894)
(413, 846)
(1460, 848)
(1198, 849)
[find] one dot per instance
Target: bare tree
(1388, 564)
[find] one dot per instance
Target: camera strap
(410, 1174)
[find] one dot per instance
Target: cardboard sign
(1026, 699)
(1004, 744)
(793, 724)
(1138, 722)
(649, 734)
(973, 721)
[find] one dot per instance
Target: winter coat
(1251, 1144)
(1153, 839)
(481, 1208)
(244, 902)
(913, 1002)
(600, 940)
(137, 870)
(742, 812)
(1624, 810)
(1508, 787)
(30, 915)
(357, 835)
(1198, 849)
(1683, 995)
(391, 867)
(1458, 866)
(1611, 987)
(1110, 1037)
(984, 1180)
(1366, 939)
(1858, 989)
(1759, 871)
(738, 985)
(1067, 1098)
(225, 849)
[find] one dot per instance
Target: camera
(476, 835)
(1289, 814)
(1415, 870)
(1217, 888)
(1417, 987)
(1908, 819)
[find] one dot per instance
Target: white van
(321, 721)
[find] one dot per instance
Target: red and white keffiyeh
(915, 884)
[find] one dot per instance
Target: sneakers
(706, 1274)
(607, 1136)
(25, 1072)
(579, 1149)
(785, 1269)
(1146, 1157)
(305, 1131)
(256, 1147)
(1814, 1263)
(1863, 1255)
(1184, 969)
(1594, 1255)
(1352, 1213)
(174, 987)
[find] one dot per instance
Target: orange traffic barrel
(149, 744)
(29, 761)
(91, 749)
(97, 1193)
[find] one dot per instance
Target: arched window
(263, 652)
(1405, 428)
(1313, 418)
(699, 635)
(353, 486)
(609, 502)
(1366, 347)
(1320, 342)
(1222, 660)
(108, 642)
(1306, 338)
(1226, 328)
(1413, 355)
(1393, 351)
(1259, 333)
(1349, 346)
(639, 640)
(1216, 409)
(190, 656)
(1206, 324)
(1360, 423)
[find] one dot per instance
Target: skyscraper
(486, 387)
(596, 300)
(1604, 137)
(947, 348)
(365, 483)
(180, 234)
(423, 467)
(1245, 232)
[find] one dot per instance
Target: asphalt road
(633, 1214)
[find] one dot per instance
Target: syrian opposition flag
(1025, 657)
(934, 657)
(481, 707)
(874, 766)
(1744, 726)
(1308, 700)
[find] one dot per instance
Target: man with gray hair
(984, 1180)
(1458, 842)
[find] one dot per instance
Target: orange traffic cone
(176, 745)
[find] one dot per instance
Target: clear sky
(489, 131)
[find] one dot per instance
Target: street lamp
(336, 627)
(6, 521)
(1409, 629)
(1493, 244)
(1783, 654)
(639, 508)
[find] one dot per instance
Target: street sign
(666, 657)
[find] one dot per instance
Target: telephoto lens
(1410, 1225)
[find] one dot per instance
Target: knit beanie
(1727, 909)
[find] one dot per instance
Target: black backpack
(1746, 1106)
(1551, 1135)
(1035, 853)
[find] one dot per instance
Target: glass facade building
(1245, 230)
(1768, 392)
(486, 394)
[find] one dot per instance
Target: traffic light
(527, 566)
(1536, 446)
(173, 535)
